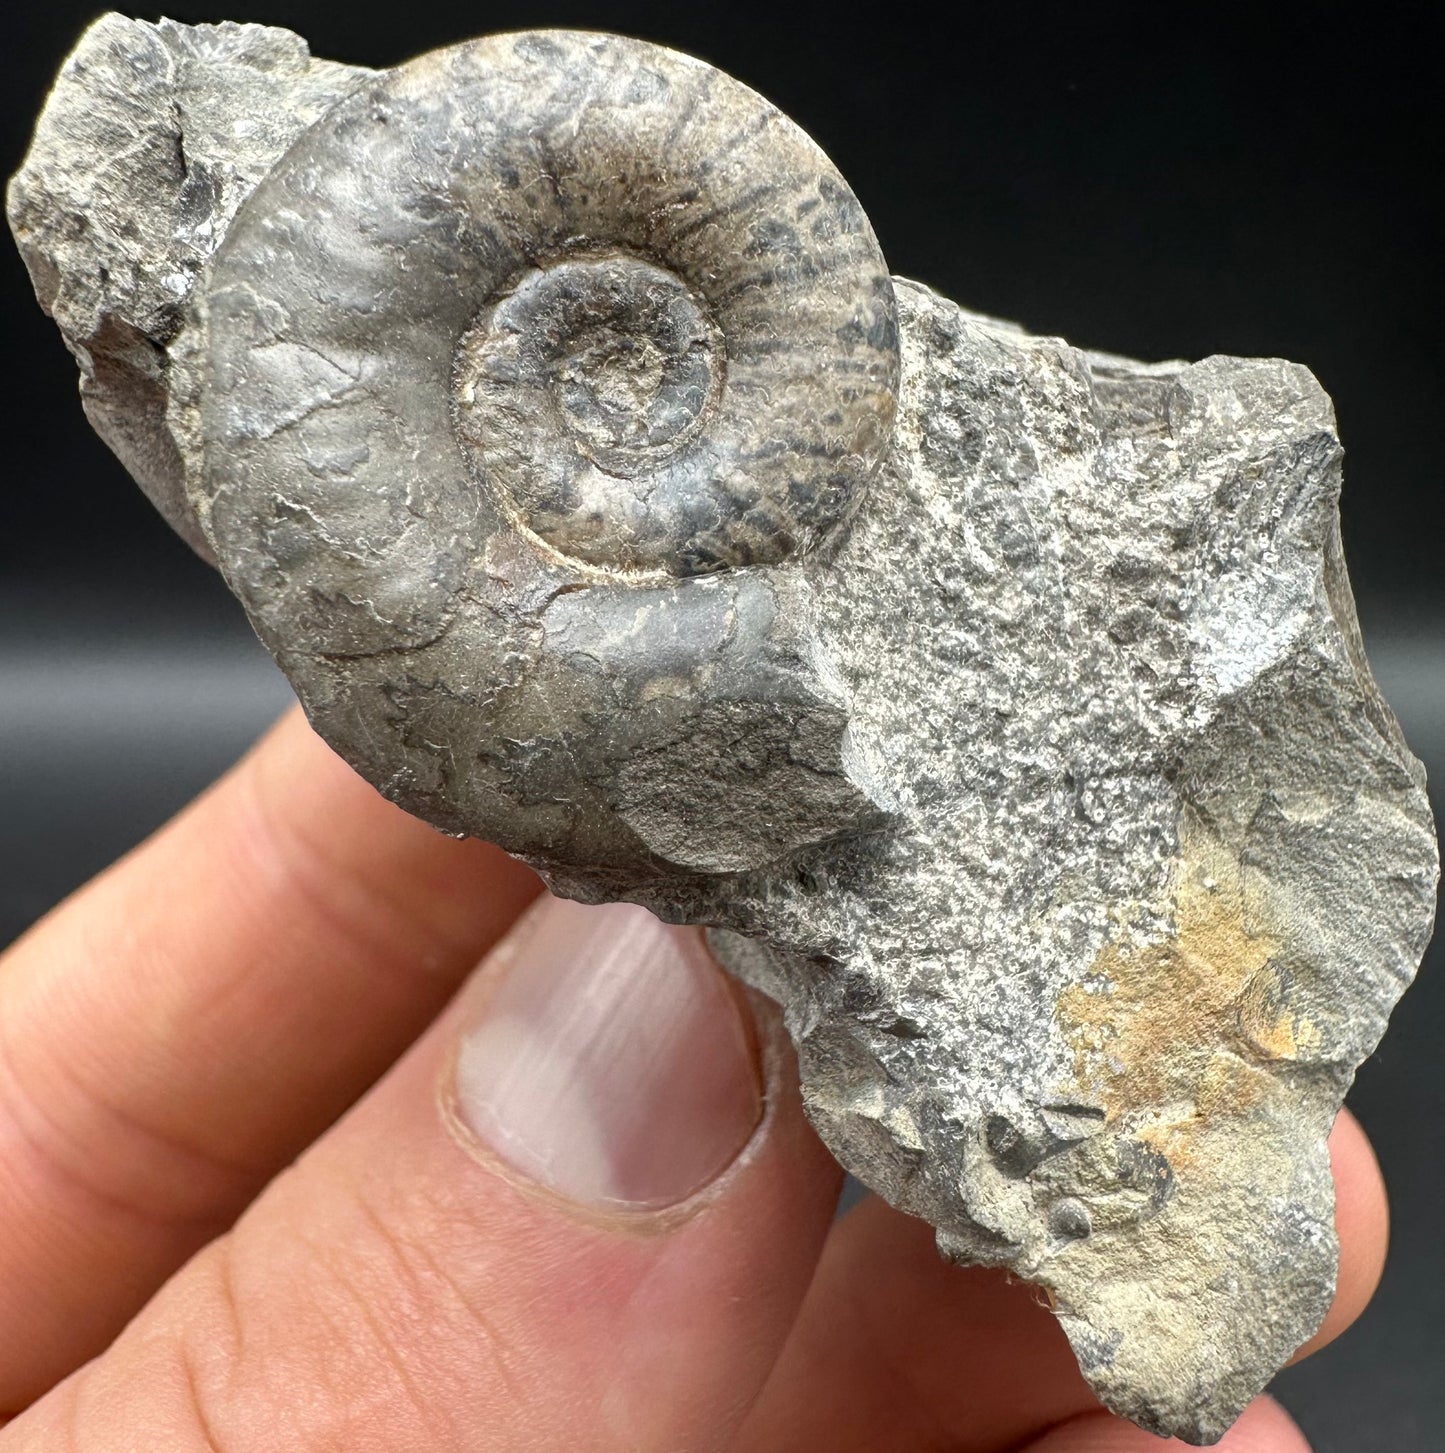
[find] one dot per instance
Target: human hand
(583, 1210)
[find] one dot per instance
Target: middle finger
(894, 1348)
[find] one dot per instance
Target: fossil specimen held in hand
(999, 705)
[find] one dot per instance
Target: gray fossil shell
(609, 294)
(506, 366)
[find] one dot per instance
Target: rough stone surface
(152, 137)
(999, 705)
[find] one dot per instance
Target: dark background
(1157, 181)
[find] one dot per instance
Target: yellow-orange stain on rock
(1182, 1026)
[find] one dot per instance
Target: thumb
(581, 1213)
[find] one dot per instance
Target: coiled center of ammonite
(577, 391)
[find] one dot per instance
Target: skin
(235, 1214)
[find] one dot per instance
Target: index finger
(182, 1027)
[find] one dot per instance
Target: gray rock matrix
(1000, 706)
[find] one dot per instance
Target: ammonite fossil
(1000, 706)
(576, 307)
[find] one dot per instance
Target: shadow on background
(1264, 181)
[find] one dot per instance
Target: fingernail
(612, 1063)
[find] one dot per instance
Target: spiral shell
(597, 291)
(528, 382)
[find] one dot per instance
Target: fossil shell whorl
(537, 316)
(589, 288)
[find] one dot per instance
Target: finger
(895, 1348)
(1362, 1223)
(594, 1236)
(1264, 1427)
(186, 1023)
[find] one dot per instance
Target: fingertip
(291, 758)
(1263, 1427)
(1362, 1222)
